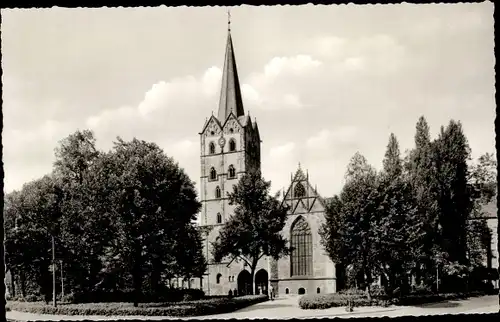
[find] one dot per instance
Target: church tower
(229, 146)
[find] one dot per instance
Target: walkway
(288, 308)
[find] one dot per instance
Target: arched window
(301, 244)
(218, 278)
(232, 145)
(219, 218)
(287, 291)
(232, 171)
(318, 290)
(213, 174)
(217, 192)
(299, 190)
(302, 291)
(211, 147)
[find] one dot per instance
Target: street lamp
(54, 267)
(62, 282)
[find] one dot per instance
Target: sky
(323, 82)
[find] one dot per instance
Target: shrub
(164, 295)
(421, 289)
(33, 298)
(191, 308)
(325, 301)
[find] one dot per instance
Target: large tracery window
(299, 190)
(301, 244)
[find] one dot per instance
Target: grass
(358, 299)
(188, 308)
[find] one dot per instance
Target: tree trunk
(252, 276)
(155, 278)
(368, 286)
(13, 283)
(22, 282)
(137, 281)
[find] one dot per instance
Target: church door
(261, 281)
(244, 283)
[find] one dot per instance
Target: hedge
(325, 301)
(419, 299)
(189, 308)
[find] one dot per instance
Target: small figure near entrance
(271, 292)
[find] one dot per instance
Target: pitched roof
(230, 96)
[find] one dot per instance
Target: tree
(39, 219)
(85, 228)
(422, 175)
(398, 230)
(255, 228)
(393, 165)
(152, 201)
(454, 198)
(483, 186)
(332, 231)
(189, 255)
(348, 233)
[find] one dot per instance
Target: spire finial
(228, 19)
(299, 165)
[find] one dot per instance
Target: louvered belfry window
(301, 243)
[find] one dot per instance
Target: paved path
(288, 308)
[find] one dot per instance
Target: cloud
(379, 53)
(276, 87)
(295, 65)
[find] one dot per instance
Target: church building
(230, 146)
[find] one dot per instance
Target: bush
(325, 301)
(191, 308)
(419, 299)
(164, 295)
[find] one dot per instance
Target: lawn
(188, 308)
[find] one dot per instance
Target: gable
(306, 199)
(212, 127)
(232, 123)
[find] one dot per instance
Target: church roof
(230, 96)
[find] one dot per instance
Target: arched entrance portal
(244, 283)
(261, 281)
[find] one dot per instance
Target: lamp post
(62, 281)
(54, 299)
(437, 278)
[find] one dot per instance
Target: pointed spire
(230, 96)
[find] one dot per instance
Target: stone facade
(304, 205)
(225, 147)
